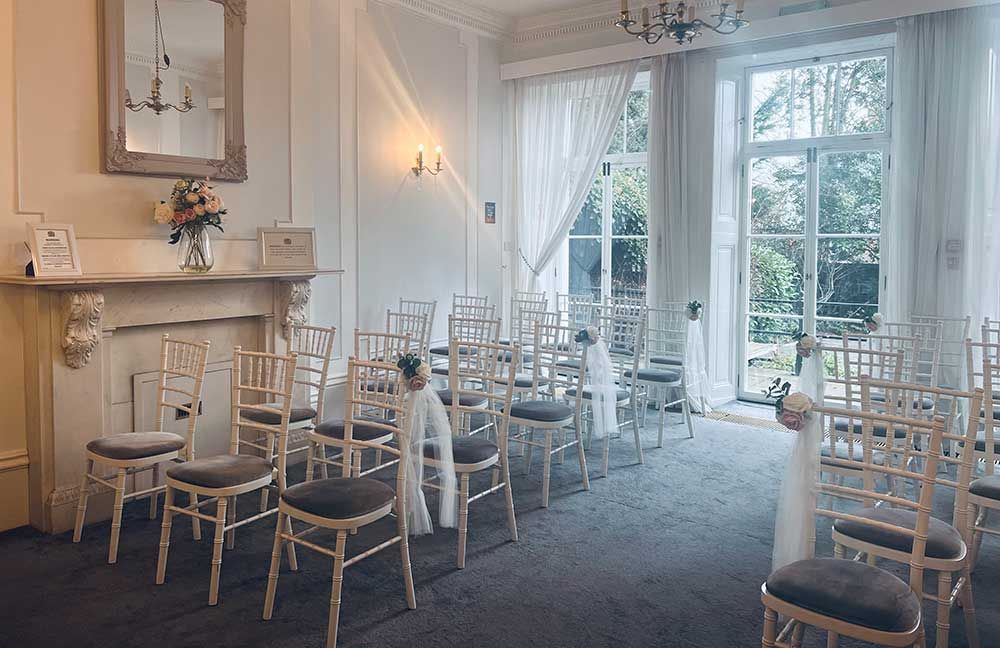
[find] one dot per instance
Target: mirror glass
(190, 35)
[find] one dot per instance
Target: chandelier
(155, 100)
(680, 23)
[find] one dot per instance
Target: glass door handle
(809, 276)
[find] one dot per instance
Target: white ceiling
(194, 31)
(525, 8)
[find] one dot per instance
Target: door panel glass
(630, 208)
(850, 192)
(778, 195)
(585, 266)
(776, 275)
(588, 223)
(771, 353)
(628, 263)
(847, 277)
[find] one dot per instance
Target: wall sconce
(420, 168)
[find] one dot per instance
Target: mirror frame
(115, 157)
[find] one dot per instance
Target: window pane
(771, 105)
(847, 277)
(850, 192)
(778, 195)
(862, 96)
(637, 112)
(629, 207)
(618, 139)
(814, 101)
(628, 266)
(776, 275)
(585, 266)
(589, 220)
(771, 353)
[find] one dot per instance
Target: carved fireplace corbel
(295, 302)
(81, 311)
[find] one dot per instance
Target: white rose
(212, 206)
(878, 319)
(424, 371)
(797, 402)
(807, 342)
(163, 213)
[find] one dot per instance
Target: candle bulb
(690, 14)
(739, 5)
(437, 150)
(645, 16)
(624, 7)
(187, 92)
(152, 86)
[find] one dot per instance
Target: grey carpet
(671, 553)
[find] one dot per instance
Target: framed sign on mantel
(53, 250)
(286, 248)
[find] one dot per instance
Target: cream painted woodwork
(60, 407)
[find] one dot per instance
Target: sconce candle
(420, 168)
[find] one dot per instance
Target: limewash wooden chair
(256, 377)
(416, 325)
(344, 504)
(179, 388)
(984, 491)
(425, 308)
(852, 598)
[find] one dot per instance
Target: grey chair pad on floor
(986, 487)
(222, 471)
(854, 592)
(136, 445)
(339, 498)
(334, 428)
(943, 540)
(297, 415)
(542, 411)
(652, 374)
(464, 450)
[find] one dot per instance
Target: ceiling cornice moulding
(458, 14)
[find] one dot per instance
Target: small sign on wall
(491, 213)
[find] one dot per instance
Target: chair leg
(323, 468)
(969, 610)
(582, 456)
(635, 431)
(154, 497)
(546, 468)
(508, 496)
(195, 522)
(978, 520)
(463, 519)
(338, 582)
(310, 460)
(81, 504)
(263, 499)
(661, 413)
(220, 525)
(832, 640)
(116, 518)
(272, 574)
(562, 441)
(404, 554)
(686, 408)
(230, 520)
(943, 624)
(161, 562)
(529, 451)
(606, 453)
(770, 628)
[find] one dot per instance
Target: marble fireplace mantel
(80, 336)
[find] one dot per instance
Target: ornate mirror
(172, 87)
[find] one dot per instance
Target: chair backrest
(881, 342)
(578, 311)
(314, 346)
(380, 345)
(990, 331)
(525, 295)
(624, 306)
(666, 333)
(634, 294)
(849, 364)
(378, 386)
(555, 351)
(523, 314)
(427, 308)
(182, 378)
(903, 399)
(954, 332)
(624, 335)
(983, 365)
(263, 383)
(416, 325)
(472, 306)
(869, 469)
(927, 359)
(488, 371)
(473, 329)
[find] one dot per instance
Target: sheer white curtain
(562, 126)
(945, 142)
(667, 277)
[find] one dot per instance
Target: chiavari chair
(344, 504)
(416, 325)
(256, 377)
(984, 492)
(465, 335)
(465, 307)
(578, 311)
(927, 354)
(425, 308)
(469, 329)
(555, 351)
(373, 346)
(853, 598)
(947, 550)
(484, 385)
(522, 316)
(178, 389)
(527, 295)
(664, 366)
(990, 331)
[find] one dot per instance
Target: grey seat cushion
(620, 394)
(569, 364)
(879, 430)
(440, 370)
(996, 413)
(545, 411)
(854, 592)
(136, 445)
(525, 381)
(925, 402)
(676, 361)
(844, 452)
(653, 374)
(297, 415)
(526, 358)
(339, 498)
(465, 400)
(465, 450)
(221, 471)
(443, 350)
(334, 428)
(943, 540)
(618, 349)
(986, 487)
(981, 441)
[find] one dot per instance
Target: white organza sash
(603, 390)
(795, 521)
(695, 368)
(429, 423)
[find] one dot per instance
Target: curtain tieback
(526, 262)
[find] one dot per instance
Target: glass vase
(194, 253)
